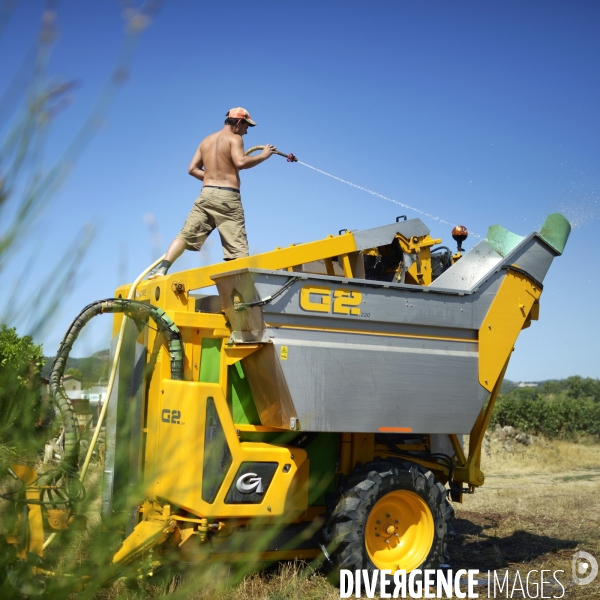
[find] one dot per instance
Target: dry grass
(285, 581)
(543, 456)
(538, 506)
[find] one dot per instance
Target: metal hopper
(350, 354)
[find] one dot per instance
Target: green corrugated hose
(131, 308)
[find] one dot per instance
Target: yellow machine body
(174, 446)
(198, 443)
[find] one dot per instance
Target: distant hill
(507, 386)
(574, 387)
(91, 370)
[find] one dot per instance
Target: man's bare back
(220, 157)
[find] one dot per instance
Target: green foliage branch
(563, 409)
(21, 363)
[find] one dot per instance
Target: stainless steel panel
(240, 284)
(269, 388)
(315, 324)
(352, 382)
(441, 444)
(408, 358)
(348, 339)
(381, 236)
(362, 387)
(469, 270)
(318, 267)
(382, 302)
(533, 256)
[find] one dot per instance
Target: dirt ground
(540, 504)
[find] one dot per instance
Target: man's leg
(174, 251)
(196, 229)
(231, 225)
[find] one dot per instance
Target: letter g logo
(253, 484)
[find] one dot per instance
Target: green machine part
(239, 397)
(555, 231)
(322, 449)
(210, 360)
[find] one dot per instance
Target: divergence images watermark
(585, 568)
(439, 583)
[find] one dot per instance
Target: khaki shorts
(220, 209)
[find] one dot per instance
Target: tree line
(556, 408)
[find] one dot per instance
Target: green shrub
(21, 362)
(564, 417)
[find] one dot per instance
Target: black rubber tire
(345, 527)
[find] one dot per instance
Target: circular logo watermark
(585, 568)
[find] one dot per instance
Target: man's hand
(241, 161)
(268, 151)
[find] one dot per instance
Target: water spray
(291, 158)
(420, 212)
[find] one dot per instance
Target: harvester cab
(315, 407)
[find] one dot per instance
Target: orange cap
(241, 113)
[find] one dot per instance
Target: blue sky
(480, 113)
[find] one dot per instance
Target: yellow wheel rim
(399, 531)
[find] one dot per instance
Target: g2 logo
(171, 416)
(315, 298)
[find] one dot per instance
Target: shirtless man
(217, 163)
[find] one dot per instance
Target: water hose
(113, 370)
(139, 311)
(241, 306)
(290, 157)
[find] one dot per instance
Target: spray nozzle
(291, 158)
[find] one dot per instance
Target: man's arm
(196, 166)
(241, 161)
